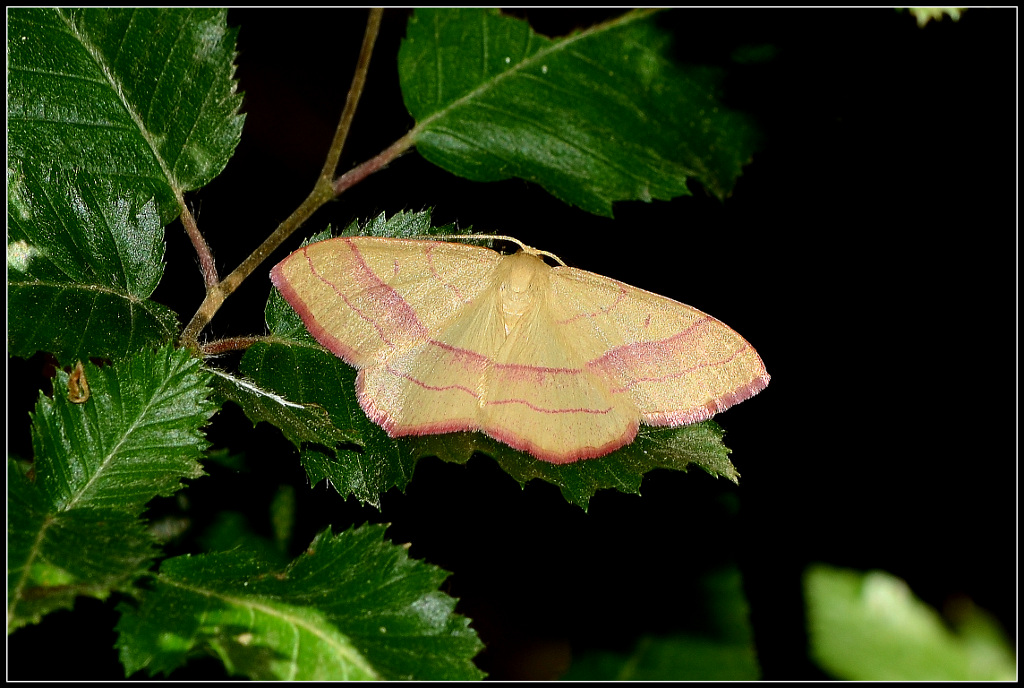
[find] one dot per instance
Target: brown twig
(378, 162)
(354, 93)
(222, 346)
(206, 264)
(324, 190)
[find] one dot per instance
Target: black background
(867, 252)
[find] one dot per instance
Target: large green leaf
(74, 526)
(354, 606)
(141, 97)
(600, 116)
(111, 115)
(82, 261)
(292, 365)
(55, 556)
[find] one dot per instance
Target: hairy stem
(206, 264)
(227, 344)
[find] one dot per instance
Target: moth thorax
(523, 282)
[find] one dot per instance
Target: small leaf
(926, 14)
(871, 627)
(398, 226)
(354, 606)
(135, 438)
(294, 366)
(596, 117)
(231, 531)
(75, 530)
(671, 658)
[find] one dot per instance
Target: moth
(558, 362)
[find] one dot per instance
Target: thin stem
(216, 294)
(323, 191)
(206, 264)
(354, 93)
(378, 162)
(230, 344)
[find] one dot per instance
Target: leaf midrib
(557, 44)
(79, 286)
(118, 89)
(350, 653)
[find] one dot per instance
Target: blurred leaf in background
(871, 627)
(724, 651)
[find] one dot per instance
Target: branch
(323, 191)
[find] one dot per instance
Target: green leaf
(139, 97)
(354, 606)
(622, 470)
(926, 14)
(81, 264)
(55, 556)
(299, 422)
(871, 627)
(723, 653)
(596, 117)
(303, 372)
(671, 658)
(112, 115)
(368, 462)
(74, 527)
(231, 531)
(407, 225)
(135, 437)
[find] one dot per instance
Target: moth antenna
(503, 237)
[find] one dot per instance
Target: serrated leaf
(299, 422)
(135, 437)
(596, 117)
(871, 627)
(407, 225)
(369, 462)
(622, 470)
(53, 557)
(112, 114)
(312, 375)
(294, 366)
(926, 14)
(353, 606)
(142, 98)
(82, 261)
(74, 528)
